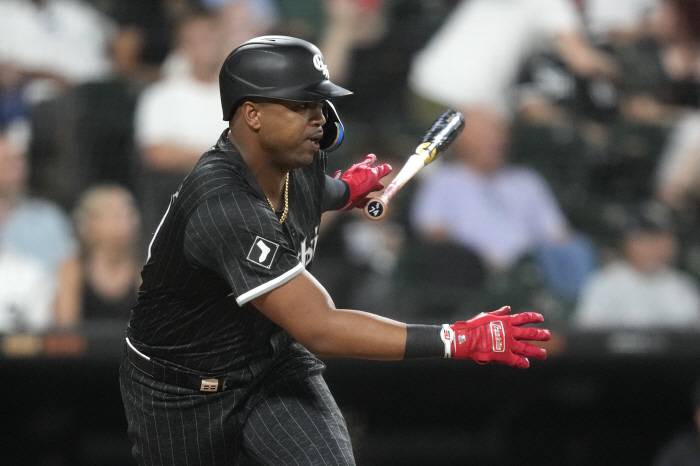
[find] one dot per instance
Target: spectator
(26, 294)
(350, 24)
(238, 21)
(34, 228)
(474, 59)
(47, 49)
(44, 45)
(108, 275)
(241, 20)
(665, 89)
(642, 289)
(678, 170)
(661, 79)
(500, 212)
(176, 119)
(684, 448)
(144, 38)
(617, 22)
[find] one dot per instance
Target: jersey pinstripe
(218, 246)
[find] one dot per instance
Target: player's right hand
(363, 178)
(497, 336)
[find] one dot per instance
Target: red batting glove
(363, 178)
(495, 336)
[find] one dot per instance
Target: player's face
(290, 132)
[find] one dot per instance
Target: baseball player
(219, 362)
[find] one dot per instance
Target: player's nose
(316, 115)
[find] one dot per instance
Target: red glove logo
(363, 178)
(497, 336)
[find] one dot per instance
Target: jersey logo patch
(263, 252)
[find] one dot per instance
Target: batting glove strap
(447, 335)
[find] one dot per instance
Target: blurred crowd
(573, 191)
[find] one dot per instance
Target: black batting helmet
(280, 67)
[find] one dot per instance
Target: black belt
(172, 375)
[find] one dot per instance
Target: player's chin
(299, 159)
(308, 152)
(312, 145)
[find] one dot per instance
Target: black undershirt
(337, 194)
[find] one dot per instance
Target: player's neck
(270, 178)
(272, 185)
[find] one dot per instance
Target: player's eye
(310, 105)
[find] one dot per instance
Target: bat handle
(376, 208)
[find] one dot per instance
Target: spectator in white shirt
(642, 289)
(475, 57)
(53, 42)
(177, 118)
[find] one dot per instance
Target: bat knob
(375, 209)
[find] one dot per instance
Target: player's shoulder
(221, 185)
(216, 168)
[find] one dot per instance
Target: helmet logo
(320, 66)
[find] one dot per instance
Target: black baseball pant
(290, 420)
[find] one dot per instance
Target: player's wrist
(347, 195)
(423, 341)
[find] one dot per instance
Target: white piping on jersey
(274, 283)
(137, 351)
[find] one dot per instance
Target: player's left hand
(496, 336)
(363, 178)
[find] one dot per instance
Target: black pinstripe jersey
(218, 246)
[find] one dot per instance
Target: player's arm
(303, 308)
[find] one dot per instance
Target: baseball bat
(434, 142)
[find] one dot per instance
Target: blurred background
(574, 191)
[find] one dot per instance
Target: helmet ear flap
(333, 131)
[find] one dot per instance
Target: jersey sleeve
(241, 240)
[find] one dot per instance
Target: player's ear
(250, 114)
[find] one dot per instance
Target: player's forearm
(358, 334)
(304, 309)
